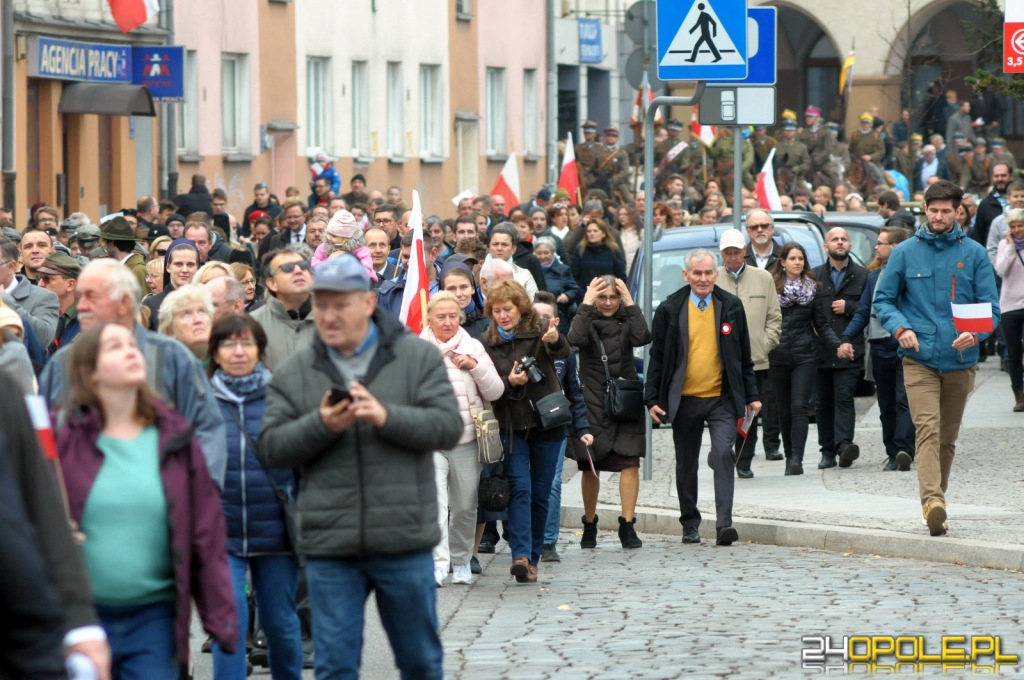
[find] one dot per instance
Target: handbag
(553, 411)
(494, 493)
(623, 399)
(488, 430)
(286, 500)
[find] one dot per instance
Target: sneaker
(462, 575)
(903, 461)
(550, 554)
(935, 516)
(474, 565)
(440, 574)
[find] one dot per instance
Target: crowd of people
(245, 391)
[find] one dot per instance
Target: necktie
(702, 305)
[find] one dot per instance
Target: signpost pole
(647, 300)
(737, 177)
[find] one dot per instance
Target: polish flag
(130, 14)
(569, 179)
(507, 185)
(40, 417)
(705, 133)
(766, 191)
(414, 298)
(973, 318)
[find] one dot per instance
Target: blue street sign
(702, 39)
(591, 47)
(762, 45)
(162, 71)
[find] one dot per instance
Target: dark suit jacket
(198, 199)
(989, 208)
(942, 172)
(851, 287)
(669, 352)
(772, 259)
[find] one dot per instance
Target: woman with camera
(606, 328)
(475, 382)
(523, 353)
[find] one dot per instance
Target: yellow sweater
(703, 365)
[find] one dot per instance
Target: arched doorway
(808, 64)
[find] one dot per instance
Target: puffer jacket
(798, 344)
(476, 386)
(252, 510)
(368, 491)
(620, 333)
(514, 409)
(923, 276)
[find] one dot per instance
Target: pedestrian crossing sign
(702, 39)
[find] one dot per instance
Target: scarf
(797, 292)
(243, 386)
(448, 345)
(506, 335)
(1018, 243)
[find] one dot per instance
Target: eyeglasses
(46, 220)
(289, 267)
(161, 251)
(249, 282)
(382, 221)
(232, 343)
(609, 298)
(759, 227)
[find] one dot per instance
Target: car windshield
(668, 272)
(862, 242)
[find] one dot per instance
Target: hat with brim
(674, 124)
(59, 264)
(117, 229)
(88, 233)
(812, 111)
(732, 238)
(789, 125)
(589, 126)
(341, 274)
(461, 257)
(916, 138)
(611, 132)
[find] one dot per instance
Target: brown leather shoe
(521, 569)
(531, 576)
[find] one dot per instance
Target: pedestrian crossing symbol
(702, 40)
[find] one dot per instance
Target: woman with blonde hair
(476, 383)
(158, 248)
(247, 277)
(212, 270)
(155, 276)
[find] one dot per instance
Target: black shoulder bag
(623, 399)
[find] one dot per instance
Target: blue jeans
(406, 599)
(530, 466)
(273, 581)
(551, 527)
(141, 640)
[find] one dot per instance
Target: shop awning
(106, 99)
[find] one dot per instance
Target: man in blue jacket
(925, 274)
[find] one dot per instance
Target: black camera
(529, 364)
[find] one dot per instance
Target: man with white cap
(756, 290)
(359, 412)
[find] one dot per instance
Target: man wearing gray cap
(59, 274)
(756, 290)
(359, 412)
(88, 237)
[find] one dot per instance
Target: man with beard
(841, 283)
(764, 251)
(993, 204)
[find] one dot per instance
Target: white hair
(492, 267)
(118, 279)
(699, 255)
(183, 297)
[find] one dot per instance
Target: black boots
(589, 533)
(1018, 396)
(627, 533)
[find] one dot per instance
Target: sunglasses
(161, 251)
(289, 267)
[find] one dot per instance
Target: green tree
(984, 38)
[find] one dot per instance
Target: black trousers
(1012, 324)
(898, 430)
(771, 429)
(834, 411)
(747, 447)
(687, 433)
(791, 388)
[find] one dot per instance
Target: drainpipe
(168, 138)
(10, 173)
(552, 98)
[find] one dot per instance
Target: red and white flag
(417, 287)
(705, 133)
(640, 105)
(766, 191)
(973, 318)
(130, 14)
(569, 179)
(41, 424)
(507, 185)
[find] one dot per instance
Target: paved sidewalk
(860, 509)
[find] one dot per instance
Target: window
(463, 9)
(187, 119)
(319, 104)
(360, 109)
(530, 111)
(234, 102)
(431, 113)
(396, 120)
(497, 128)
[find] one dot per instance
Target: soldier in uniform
(793, 153)
(763, 145)
(611, 173)
(1001, 155)
(787, 116)
(953, 154)
(819, 142)
(867, 144)
(916, 142)
(588, 153)
(723, 150)
(976, 175)
(661, 149)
